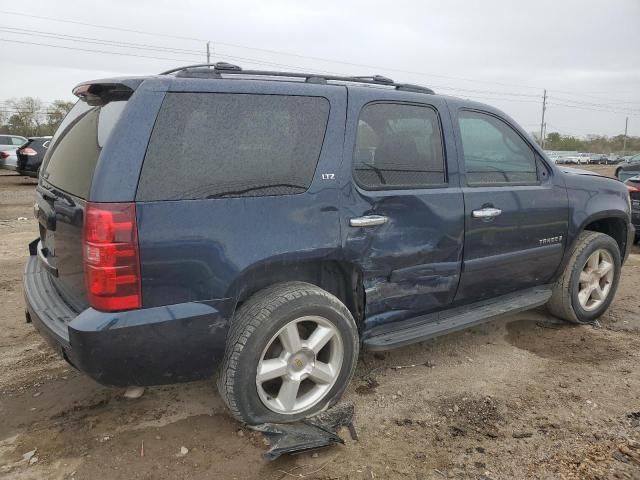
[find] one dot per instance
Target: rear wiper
(236, 193)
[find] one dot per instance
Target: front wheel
(291, 351)
(588, 284)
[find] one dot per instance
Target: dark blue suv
(271, 224)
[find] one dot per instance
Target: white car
(8, 146)
(580, 159)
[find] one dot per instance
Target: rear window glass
(76, 146)
(213, 145)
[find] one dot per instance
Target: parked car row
(606, 159)
(23, 155)
(577, 158)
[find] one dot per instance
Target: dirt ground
(520, 397)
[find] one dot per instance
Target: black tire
(255, 324)
(618, 170)
(564, 301)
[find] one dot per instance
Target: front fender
(592, 199)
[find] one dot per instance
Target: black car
(633, 185)
(607, 160)
(629, 169)
(269, 225)
(31, 154)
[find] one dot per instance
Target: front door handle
(486, 213)
(368, 221)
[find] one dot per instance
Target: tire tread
(560, 303)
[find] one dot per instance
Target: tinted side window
(493, 152)
(17, 141)
(398, 146)
(76, 146)
(208, 145)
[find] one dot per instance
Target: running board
(399, 334)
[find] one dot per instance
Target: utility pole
(544, 108)
(208, 52)
(624, 142)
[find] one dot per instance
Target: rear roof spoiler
(101, 92)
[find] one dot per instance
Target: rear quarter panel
(197, 250)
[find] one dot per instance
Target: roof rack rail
(204, 70)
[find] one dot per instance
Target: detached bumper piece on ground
(315, 432)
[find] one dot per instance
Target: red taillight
(29, 152)
(631, 188)
(111, 258)
(4, 155)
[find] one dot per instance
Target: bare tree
(26, 116)
(56, 113)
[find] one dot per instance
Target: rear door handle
(487, 212)
(368, 221)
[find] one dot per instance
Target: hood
(578, 171)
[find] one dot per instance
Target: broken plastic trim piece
(309, 434)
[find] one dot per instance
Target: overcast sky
(586, 53)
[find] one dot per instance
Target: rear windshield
(211, 145)
(76, 146)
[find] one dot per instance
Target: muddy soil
(521, 397)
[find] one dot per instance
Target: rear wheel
(590, 279)
(291, 352)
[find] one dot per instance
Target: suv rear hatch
(76, 235)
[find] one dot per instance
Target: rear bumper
(24, 166)
(152, 346)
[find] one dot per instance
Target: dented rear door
(404, 228)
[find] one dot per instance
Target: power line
(66, 47)
(580, 107)
(291, 54)
(75, 22)
(92, 51)
(260, 62)
(591, 104)
(142, 46)
(277, 52)
(60, 36)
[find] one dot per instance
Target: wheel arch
(613, 223)
(614, 226)
(340, 278)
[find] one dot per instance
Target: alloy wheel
(595, 280)
(300, 365)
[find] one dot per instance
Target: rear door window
(76, 146)
(399, 146)
(214, 145)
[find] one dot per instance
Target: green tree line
(592, 143)
(29, 117)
